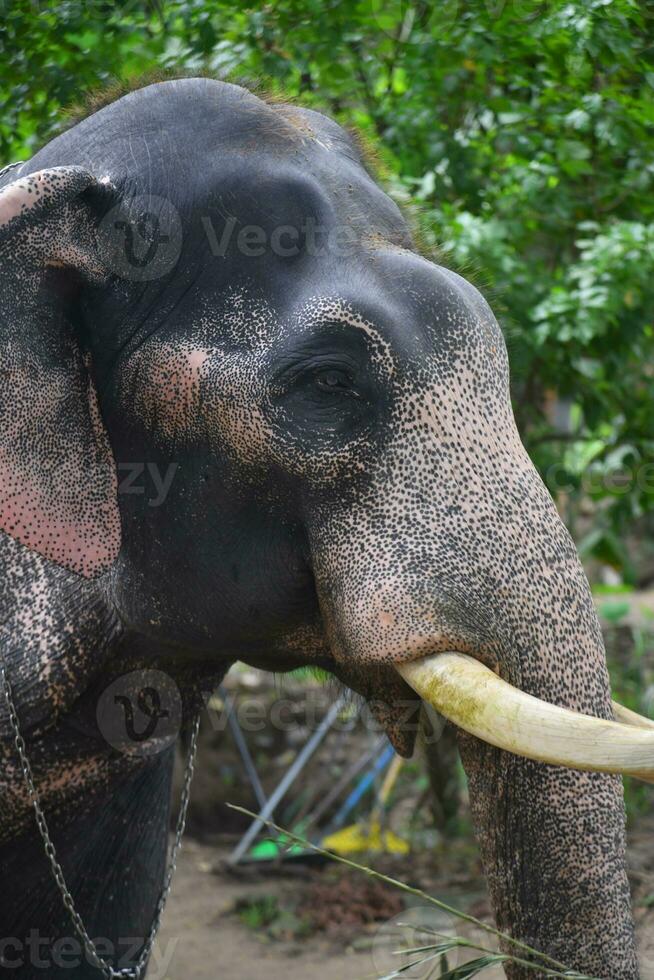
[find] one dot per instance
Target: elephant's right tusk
(478, 701)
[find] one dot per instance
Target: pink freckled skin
(20, 196)
(182, 371)
(196, 360)
(168, 378)
(57, 473)
(49, 188)
(81, 535)
(12, 203)
(25, 512)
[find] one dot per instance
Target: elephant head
(212, 289)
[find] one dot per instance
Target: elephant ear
(58, 485)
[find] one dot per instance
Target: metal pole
(290, 776)
(351, 773)
(242, 747)
(361, 788)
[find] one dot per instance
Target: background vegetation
(524, 130)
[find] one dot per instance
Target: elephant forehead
(433, 346)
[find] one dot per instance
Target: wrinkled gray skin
(349, 491)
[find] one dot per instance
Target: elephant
(243, 418)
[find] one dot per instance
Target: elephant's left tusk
(628, 717)
(478, 701)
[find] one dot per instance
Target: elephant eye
(335, 380)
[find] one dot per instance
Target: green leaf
(472, 968)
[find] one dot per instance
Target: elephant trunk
(552, 839)
(555, 870)
(465, 552)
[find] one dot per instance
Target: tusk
(478, 701)
(628, 717)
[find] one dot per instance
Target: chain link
(111, 973)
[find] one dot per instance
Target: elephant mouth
(477, 700)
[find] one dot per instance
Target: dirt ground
(205, 937)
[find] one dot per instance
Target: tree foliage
(524, 129)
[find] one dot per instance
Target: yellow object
(388, 784)
(357, 839)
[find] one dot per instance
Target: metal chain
(111, 973)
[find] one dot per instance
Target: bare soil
(204, 936)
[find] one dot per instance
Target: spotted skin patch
(57, 632)
(57, 476)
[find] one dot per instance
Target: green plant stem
(518, 961)
(418, 893)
